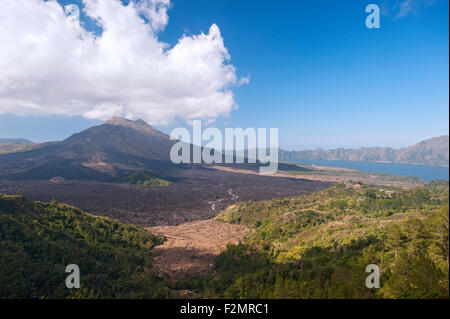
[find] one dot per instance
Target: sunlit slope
(318, 245)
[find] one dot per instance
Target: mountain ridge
(14, 140)
(433, 151)
(9, 145)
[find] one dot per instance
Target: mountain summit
(139, 125)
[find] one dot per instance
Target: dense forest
(38, 240)
(318, 245)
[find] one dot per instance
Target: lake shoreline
(422, 171)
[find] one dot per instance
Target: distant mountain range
(8, 145)
(434, 151)
(14, 140)
(119, 147)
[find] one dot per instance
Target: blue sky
(316, 72)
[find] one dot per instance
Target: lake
(425, 172)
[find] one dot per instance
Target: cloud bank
(50, 64)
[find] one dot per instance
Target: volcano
(105, 152)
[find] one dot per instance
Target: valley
(197, 194)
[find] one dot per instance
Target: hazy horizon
(78, 124)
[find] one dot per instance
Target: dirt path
(233, 198)
(191, 247)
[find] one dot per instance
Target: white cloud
(402, 8)
(49, 64)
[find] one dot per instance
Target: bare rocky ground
(333, 175)
(197, 194)
(191, 247)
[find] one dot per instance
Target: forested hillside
(318, 245)
(38, 240)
